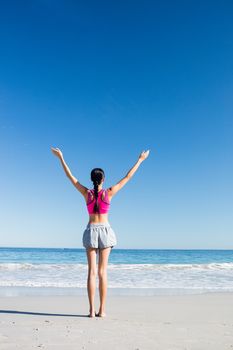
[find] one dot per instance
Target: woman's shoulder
(109, 193)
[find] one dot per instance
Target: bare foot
(92, 314)
(102, 314)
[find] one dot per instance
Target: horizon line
(82, 248)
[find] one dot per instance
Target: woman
(98, 235)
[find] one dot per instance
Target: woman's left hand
(57, 152)
(144, 155)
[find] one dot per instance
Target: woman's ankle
(102, 310)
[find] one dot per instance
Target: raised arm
(82, 189)
(114, 189)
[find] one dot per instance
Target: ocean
(130, 271)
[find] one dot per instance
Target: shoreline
(14, 291)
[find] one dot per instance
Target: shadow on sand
(39, 313)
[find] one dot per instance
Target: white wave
(191, 276)
(40, 284)
(28, 266)
(211, 266)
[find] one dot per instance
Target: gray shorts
(99, 235)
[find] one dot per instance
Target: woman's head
(97, 177)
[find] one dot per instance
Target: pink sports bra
(103, 202)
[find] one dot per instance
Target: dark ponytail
(97, 175)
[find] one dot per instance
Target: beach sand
(197, 322)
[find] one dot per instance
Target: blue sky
(103, 81)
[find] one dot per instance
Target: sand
(197, 322)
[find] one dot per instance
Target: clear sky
(104, 80)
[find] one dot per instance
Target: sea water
(130, 271)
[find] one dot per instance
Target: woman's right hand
(57, 152)
(144, 155)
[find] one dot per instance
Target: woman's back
(103, 201)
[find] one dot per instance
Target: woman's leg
(102, 273)
(91, 279)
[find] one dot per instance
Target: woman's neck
(100, 188)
